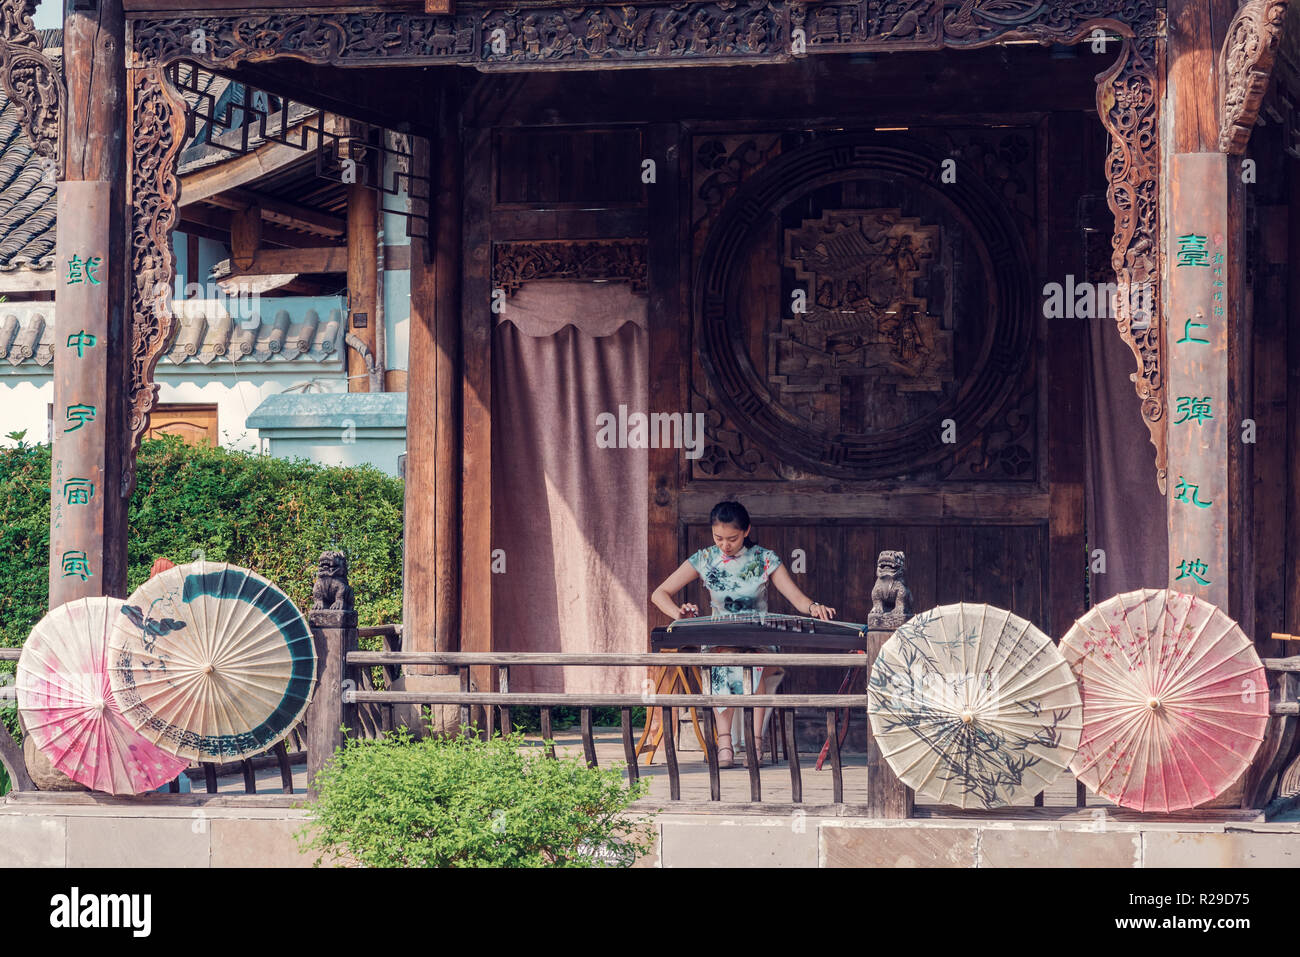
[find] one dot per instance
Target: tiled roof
(28, 205)
(205, 332)
(27, 202)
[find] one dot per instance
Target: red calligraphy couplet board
(1196, 341)
(77, 476)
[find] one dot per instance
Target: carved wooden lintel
(32, 82)
(514, 264)
(529, 35)
(1245, 66)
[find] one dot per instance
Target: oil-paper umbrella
(1174, 699)
(212, 662)
(68, 708)
(973, 706)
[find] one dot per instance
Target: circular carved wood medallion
(850, 302)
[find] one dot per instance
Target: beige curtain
(570, 517)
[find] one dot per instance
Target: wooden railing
(502, 701)
(1273, 783)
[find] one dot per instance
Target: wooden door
(193, 423)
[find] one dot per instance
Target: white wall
(237, 395)
(24, 404)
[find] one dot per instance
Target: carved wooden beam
(1128, 104)
(1245, 67)
(719, 31)
(32, 81)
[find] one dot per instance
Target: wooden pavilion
(839, 233)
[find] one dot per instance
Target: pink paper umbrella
(68, 707)
(1174, 700)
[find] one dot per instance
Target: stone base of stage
(233, 830)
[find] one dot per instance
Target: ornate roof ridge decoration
(1245, 68)
(32, 80)
(508, 37)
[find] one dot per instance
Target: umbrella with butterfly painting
(68, 708)
(212, 662)
(1175, 700)
(973, 706)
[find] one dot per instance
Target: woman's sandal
(758, 752)
(730, 760)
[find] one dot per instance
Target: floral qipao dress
(737, 585)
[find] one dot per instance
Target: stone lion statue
(891, 601)
(332, 591)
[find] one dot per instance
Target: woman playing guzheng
(736, 572)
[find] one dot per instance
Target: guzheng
(759, 630)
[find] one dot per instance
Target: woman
(736, 572)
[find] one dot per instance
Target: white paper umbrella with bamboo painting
(1174, 699)
(973, 706)
(212, 662)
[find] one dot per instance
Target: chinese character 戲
(83, 270)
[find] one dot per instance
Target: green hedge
(271, 515)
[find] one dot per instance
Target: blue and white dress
(737, 585)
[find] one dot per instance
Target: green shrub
(464, 802)
(268, 514)
(562, 719)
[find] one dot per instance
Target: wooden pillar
(476, 585)
(362, 225)
(1202, 270)
(887, 797)
(668, 467)
(334, 634)
(432, 560)
(91, 336)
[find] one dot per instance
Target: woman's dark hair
(731, 513)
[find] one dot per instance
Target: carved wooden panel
(720, 31)
(516, 263)
(1245, 66)
(848, 306)
(1128, 104)
(32, 81)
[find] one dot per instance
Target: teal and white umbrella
(212, 662)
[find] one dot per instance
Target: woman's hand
(687, 611)
(824, 612)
